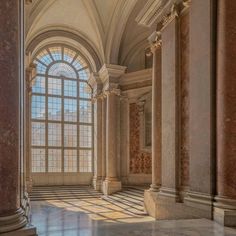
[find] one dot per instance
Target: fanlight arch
(61, 112)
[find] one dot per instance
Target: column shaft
(104, 106)
(156, 119)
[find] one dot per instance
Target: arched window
(61, 112)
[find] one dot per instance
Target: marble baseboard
(225, 211)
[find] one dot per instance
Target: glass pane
(54, 134)
(70, 109)
(62, 69)
(84, 90)
(79, 63)
(85, 161)
(38, 133)
(84, 74)
(70, 160)
(69, 55)
(85, 111)
(54, 108)
(56, 53)
(54, 160)
(40, 68)
(54, 86)
(38, 107)
(44, 57)
(70, 88)
(70, 135)
(38, 85)
(38, 160)
(85, 135)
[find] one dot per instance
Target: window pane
(70, 88)
(70, 160)
(85, 135)
(54, 134)
(38, 85)
(44, 57)
(84, 90)
(40, 68)
(70, 135)
(69, 55)
(56, 53)
(54, 160)
(62, 69)
(70, 109)
(38, 160)
(84, 74)
(54, 108)
(54, 86)
(85, 161)
(85, 111)
(38, 107)
(38, 133)
(79, 63)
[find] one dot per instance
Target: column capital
(155, 41)
(95, 82)
(115, 91)
(30, 74)
(170, 16)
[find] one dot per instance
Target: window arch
(61, 112)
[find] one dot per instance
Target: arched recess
(63, 36)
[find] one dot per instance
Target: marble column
(156, 114)
(13, 217)
(110, 75)
(104, 106)
(225, 202)
(96, 84)
(170, 107)
(201, 104)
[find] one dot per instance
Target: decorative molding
(29, 76)
(174, 12)
(155, 41)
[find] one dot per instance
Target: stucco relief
(140, 161)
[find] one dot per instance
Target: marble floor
(110, 217)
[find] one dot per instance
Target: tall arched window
(61, 112)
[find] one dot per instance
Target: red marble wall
(140, 161)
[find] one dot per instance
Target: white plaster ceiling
(108, 25)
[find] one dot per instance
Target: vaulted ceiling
(107, 26)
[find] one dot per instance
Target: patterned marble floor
(99, 217)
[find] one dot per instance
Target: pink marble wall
(140, 161)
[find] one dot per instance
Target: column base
(26, 231)
(224, 211)
(111, 186)
(13, 222)
(97, 183)
(167, 205)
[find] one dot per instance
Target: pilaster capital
(96, 84)
(115, 91)
(185, 4)
(170, 16)
(30, 74)
(110, 73)
(141, 106)
(155, 41)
